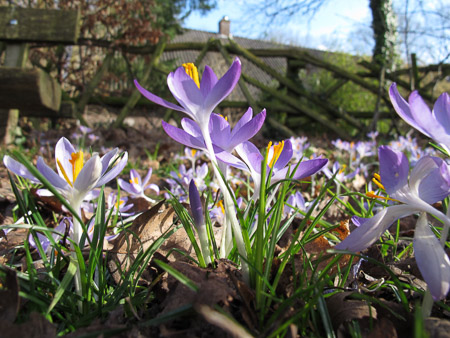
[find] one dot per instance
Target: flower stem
(427, 304)
(76, 236)
(204, 243)
(230, 210)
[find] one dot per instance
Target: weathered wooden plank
(39, 25)
(32, 90)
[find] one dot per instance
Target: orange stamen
(192, 71)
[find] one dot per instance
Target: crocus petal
(63, 154)
(154, 187)
(394, 169)
(93, 194)
(220, 132)
(44, 193)
(422, 115)
(127, 187)
(432, 260)
(191, 127)
(441, 111)
(223, 87)
(229, 159)
(357, 221)
(246, 131)
(115, 170)
(186, 92)
(209, 80)
(183, 137)
(427, 181)
(278, 175)
(285, 156)
(372, 229)
(18, 169)
(51, 176)
(196, 205)
(157, 99)
(147, 177)
(89, 175)
(310, 167)
(402, 108)
(250, 155)
(243, 120)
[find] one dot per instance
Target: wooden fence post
(18, 27)
(16, 56)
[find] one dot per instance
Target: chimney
(224, 27)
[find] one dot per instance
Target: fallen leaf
(343, 310)
(144, 231)
(437, 327)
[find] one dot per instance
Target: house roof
(216, 61)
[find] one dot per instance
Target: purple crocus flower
(75, 179)
(197, 99)
(294, 202)
(429, 182)
(434, 124)
(277, 160)
(338, 171)
(121, 205)
(137, 185)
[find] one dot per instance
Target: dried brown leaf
(343, 310)
(437, 327)
(144, 231)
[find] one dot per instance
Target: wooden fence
(294, 101)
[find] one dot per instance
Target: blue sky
(330, 26)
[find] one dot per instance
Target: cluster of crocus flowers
(213, 134)
(198, 98)
(429, 182)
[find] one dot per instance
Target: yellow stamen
(377, 180)
(77, 162)
(277, 149)
(220, 204)
(193, 152)
(119, 203)
(371, 194)
(344, 166)
(134, 180)
(225, 117)
(192, 71)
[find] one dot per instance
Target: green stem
(77, 231)
(230, 210)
